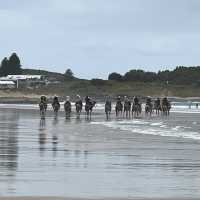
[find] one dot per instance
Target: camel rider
(136, 100)
(78, 101)
(55, 101)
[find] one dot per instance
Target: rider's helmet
(78, 96)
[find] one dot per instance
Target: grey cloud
(96, 37)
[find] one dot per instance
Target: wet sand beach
(144, 158)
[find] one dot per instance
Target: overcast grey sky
(96, 37)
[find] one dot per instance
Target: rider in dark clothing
(43, 100)
(119, 102)
(165, 101)
(55, 101)
(119, 99)
(157, 102)
(148, 102)
(87, 99)
(67, 104)
(136, 101)
(127, 101)
(79, 101)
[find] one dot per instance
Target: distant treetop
(115, 76)
(11, 65)
(69, 74)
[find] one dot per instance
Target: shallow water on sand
(146, 157)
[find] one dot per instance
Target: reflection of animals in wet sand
(108, 108)
(42, 134)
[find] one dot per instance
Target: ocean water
(145, 157)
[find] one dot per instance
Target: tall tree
(14, 65)
(4, 67)
(69, 74)
(115, 76)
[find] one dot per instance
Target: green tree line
(180, 75)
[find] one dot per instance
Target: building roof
(7, 83)
(23, 77)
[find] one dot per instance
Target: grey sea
(147, 157)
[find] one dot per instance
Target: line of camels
(123, 108)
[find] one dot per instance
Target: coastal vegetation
(182, 81)
(180, 75)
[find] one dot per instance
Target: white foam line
(176, 131)
(186, 111)
(156, 124)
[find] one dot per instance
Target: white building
(25, 77)
(7, 84)
(25, 80)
